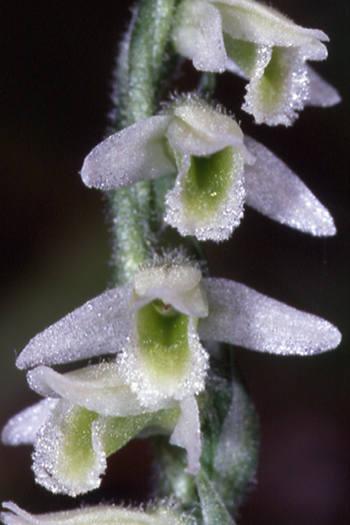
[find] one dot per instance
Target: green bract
(260, 44)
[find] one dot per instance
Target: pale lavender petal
(244, 317)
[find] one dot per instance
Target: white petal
(274, 190)
(320, 92)
(136, 153)
(244, 317)
(177, 285)
(22, 428)
(201, 130)
(98, 388)
(53, 464)
(198, 36)
(98, 327)
(187, 433)
(258, 23)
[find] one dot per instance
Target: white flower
(260, 44)
(207, 150)
(154, 327)
(102, 514)
(160, 367)
(72, 443)
(202, 144)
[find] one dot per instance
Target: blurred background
(56, 59)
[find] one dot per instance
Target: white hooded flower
(154, 327)
(203, 145)
(206, 150)
(102, 514)
(258, 43)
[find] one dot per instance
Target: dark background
(56, 59)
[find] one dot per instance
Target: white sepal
(22, 428)
(274, 190)
(244, 317)
(98, 327)
(320, 92)
(136, 153)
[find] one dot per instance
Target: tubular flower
(263, 46)
(207, 151)
(102, 514)
(154, 327)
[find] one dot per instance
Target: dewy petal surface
(98, 388)
(187, 433)
(206, 131)
(208, 196)
(321, 93)
(255, 22)
(264, 45)
(98, 327)
(198, 36)
(177, 284)
(274, 190)
(136, 153)
(163, 357)
(22, 428)
(166, 364)
(244, 317)
(66, 459)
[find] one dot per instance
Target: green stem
(142, 73)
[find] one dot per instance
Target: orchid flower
(207, 150)
(154, 327)
(263, 46)
(102, 514)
